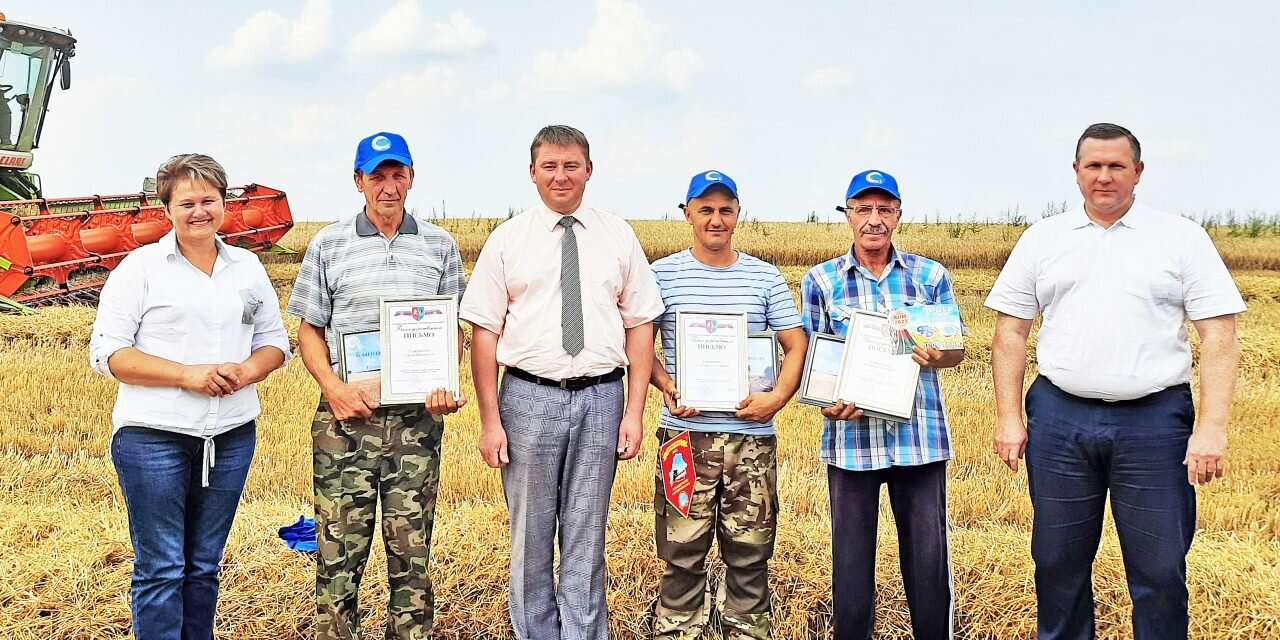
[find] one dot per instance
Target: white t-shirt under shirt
(749, 285)
(1115, 300)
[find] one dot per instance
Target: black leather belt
(572, 384)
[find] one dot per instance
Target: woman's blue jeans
(178, 527)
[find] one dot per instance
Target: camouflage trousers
(392, 457)
(735, 500)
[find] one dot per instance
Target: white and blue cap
(379, 148)
(872, 179)
(707, 179)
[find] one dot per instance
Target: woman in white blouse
(187, 325)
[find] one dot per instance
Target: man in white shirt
(562, 295)
(1111, 409)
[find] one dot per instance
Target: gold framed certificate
(360, 360)
(762, 362)
(875, 375)
(419, 339)
(821, 370)
(711, 359)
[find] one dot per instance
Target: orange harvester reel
(56, 250)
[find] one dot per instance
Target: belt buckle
(564, 384)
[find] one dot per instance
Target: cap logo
(713, 176)
(875, 178)
(380, 143)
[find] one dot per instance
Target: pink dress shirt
(514, 291)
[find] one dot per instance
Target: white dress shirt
(1115, 300)
(160, 303)
(514, 291)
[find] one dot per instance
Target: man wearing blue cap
(735, 493)
(365, 453)
(863, 452)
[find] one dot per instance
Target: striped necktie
(571, 334)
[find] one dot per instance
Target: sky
(974, 107)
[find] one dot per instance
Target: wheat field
(66, 560)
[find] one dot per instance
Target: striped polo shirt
(349, 266)
(749, 285)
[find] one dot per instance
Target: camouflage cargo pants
(735, 499)
(392, 457)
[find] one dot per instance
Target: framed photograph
(762, 362)
(821, 370)
(711, 359)
(360, 360)
(874, 374)
(419, 339)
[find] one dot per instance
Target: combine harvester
(60, 250)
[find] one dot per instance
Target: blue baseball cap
(872, 179)
(379, 148)
(707, 179)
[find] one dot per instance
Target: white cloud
(312, 124)
(828, 78)
(268, 34)
(623, 47)
(878, 137)
(432, 85)
(403, 29)
(492, 93)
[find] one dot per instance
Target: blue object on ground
(300, 535)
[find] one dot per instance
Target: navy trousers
(1078, 449)
(918, 497)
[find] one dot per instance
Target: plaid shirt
(829, 293)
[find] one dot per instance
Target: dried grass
(67, 559)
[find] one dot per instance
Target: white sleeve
(1207, 288)
(1014, 292)
(119, 312)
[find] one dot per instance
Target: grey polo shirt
(349, 266)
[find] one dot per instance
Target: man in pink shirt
(562, 296)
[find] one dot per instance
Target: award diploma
(419, 348)
(711, 359)
(874, 376)
(360, 361)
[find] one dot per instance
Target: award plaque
(762, 362)
(419, 338)
(821, 370)
(360, 360)
(711, 359)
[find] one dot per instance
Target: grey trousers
(563, 450)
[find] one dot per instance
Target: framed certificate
(419, 338)
(873, 374)
(711, 359)
(821, 370)
(360, 360)
(762, 362)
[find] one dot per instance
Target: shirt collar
(850, 261)
(365, 227)
(170, 243)
(1135, 217)
(550, 219)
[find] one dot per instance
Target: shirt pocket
(840, 315)
(251, 305)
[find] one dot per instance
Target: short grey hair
(559, 135)
(1108, 131)
(195, 167)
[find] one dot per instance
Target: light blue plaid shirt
(829, 293)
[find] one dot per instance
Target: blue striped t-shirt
(749, 285)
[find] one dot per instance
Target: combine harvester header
(59, 250)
